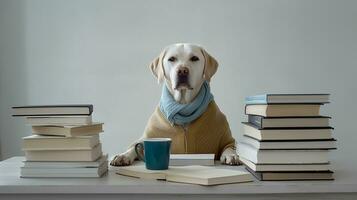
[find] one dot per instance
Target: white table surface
(10, 183)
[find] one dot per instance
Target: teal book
(288, 99)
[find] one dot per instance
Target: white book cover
(66, 164)
(64, 172)
(201, 175)
(191, 159)
(290, 144)
(282, 156)
(285, 167)
(59, 120)
(65, 155)
(44, 142)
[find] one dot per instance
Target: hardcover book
(53, 110)
(284, 167)
(82, 172)
(287, 133)
(42, 142)
(284, 110)
(65, 155)
(259, 156)
(191, 159)
(69, 131)
(66, 164)
(281, 122)
(291, 176)
(287, 98)
(290, 144)
(59, 120)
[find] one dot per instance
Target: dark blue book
(53, 110)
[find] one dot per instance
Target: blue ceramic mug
(156, 153)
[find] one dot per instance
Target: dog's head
(184, 67)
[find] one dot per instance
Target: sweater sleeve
(227, 140)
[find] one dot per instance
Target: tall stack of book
(286, 138)
(65, 142)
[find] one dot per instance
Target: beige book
(59, 120)
(42, 142)
(283, 110)
(194, 174)
(68, 131)
(65, 155)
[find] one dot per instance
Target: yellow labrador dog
(187, 112)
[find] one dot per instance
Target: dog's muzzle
(182, 79)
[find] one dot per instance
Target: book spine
(90, 108)
(44, 115)
(257, 175)
(256, 120)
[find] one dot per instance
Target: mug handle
(139, 145)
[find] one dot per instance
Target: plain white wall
(56, 52)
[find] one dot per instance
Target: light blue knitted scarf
(181, 114)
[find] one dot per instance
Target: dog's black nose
(182, 71)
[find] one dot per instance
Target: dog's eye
(194, 58)
(172, 59)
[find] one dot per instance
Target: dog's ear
(210, 67)
(157, 67)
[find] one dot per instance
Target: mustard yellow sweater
(210, 133)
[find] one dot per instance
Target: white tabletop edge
(10, 183)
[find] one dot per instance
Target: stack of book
(65, 142)
(285, 137)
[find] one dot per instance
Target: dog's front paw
(230, 159)
(122, 160)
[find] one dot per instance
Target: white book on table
(290, 144)
(44, 142)
(191, 159)
(28, 172)
(194, 174)
(287, 133)
(59, 120)
(65, 155)
(258, 156)
(66, 164)
(284, 167)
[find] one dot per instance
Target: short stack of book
(285, 137)
(65, 142)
